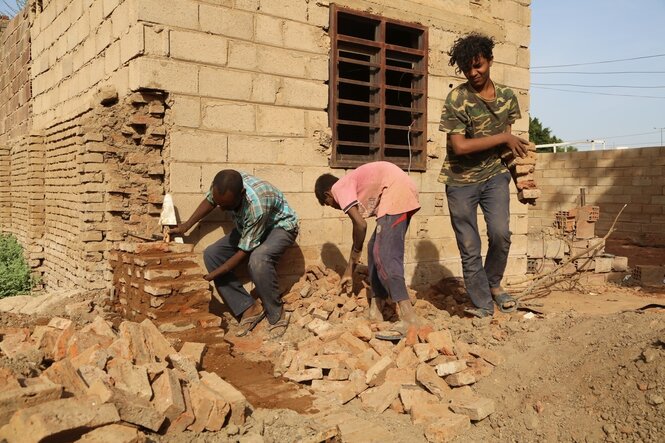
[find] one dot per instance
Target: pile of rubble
(572, 242)
(426, 374)
(103, 385)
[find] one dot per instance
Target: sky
(565, 32)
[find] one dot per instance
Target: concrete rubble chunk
(475, 409)
(115, 433)
(41, 422)
(129, 378)
(194, 352)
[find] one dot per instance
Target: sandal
(250, 323)
(504, 299)
(395, 333)
(279, 328)
(478, 312)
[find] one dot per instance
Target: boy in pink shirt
(382, 190)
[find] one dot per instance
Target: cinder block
(186, 111)
(185, 178)
(272, 120)
(228, 116)
(227, 22)
(198, 47)
(178, 13)
(163, 74)
(198, 146)
(224, 83)
(303, 94)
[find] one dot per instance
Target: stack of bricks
(106, 385)
(522, 169)
(162, 282)
(573, 235)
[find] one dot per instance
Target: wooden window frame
(385, 134)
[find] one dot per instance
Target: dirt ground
(580, 366)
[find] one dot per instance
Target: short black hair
(228, 180)
(323, 184)
(467, 48)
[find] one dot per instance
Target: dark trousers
(493, 196)
(262, 271)
(385, 257)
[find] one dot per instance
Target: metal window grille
(378, 90)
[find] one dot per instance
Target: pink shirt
(378, 189)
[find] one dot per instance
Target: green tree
(541, 135)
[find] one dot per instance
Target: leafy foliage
(15, 275)
(541, 135)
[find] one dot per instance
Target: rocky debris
(338, 357)
(99, 382)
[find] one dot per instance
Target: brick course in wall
(610, 178)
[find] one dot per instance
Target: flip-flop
(395, 333)
(250, 323)
(504, 298)
(279, 328)
(478, 312)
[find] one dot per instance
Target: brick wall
(611, 179)
(248, 84)
(241, 84)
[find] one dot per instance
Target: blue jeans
(493, 196)
(385, 257)
(261, 266)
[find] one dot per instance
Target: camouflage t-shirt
(466, 112)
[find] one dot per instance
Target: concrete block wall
(76, 47)
(15, 78)
(248, 89)
(611, 178)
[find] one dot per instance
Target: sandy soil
(580, 366)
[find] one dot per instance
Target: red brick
(63, 373)
(378, 399)
(184, 420)
(194, 352)
(115, 433)
(451, 367)
(129, 378)
(411, 395)
(168, 398)
(476, 409)
(16, 397)
(47, 420)
(376, 373)
(425, 351)
(428, 412)
(157, 345)
(133, 334)
(406, 358)
(230, 394)
(427, 377)
(461, 379)
(442, 341)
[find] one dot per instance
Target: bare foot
(376, 309)
(408, 315)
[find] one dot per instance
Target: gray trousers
(493, 197)
(262, 271)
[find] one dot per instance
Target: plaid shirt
(262, 209)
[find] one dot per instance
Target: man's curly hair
(467, 48)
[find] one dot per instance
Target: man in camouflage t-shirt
(478, 116)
